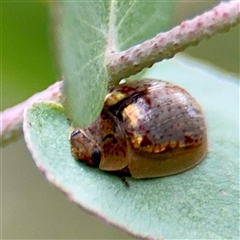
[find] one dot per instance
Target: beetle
(148, 128)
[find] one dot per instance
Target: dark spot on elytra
(127, 89)
(188, 139)
(148, 101)
(145, 142)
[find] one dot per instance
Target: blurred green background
(31, 207)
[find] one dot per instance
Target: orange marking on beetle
(132, 113)
(114, 98)
(136, 140)
(173, 144)
(157, 149)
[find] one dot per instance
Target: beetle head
(84, 148)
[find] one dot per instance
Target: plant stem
(165, 45)
(124, 64)
(12, 118)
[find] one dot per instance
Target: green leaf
(199, 203)
(137, 21)
(87, 28)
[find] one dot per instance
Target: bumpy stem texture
(124, 64)
(165, 45)
(12, 118)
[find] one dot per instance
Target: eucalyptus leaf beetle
(148, 128)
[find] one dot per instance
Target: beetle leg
(124, 180)
(122, 174)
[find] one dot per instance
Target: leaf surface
(87, 30)
(199, 203)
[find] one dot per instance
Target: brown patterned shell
(148, 128)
